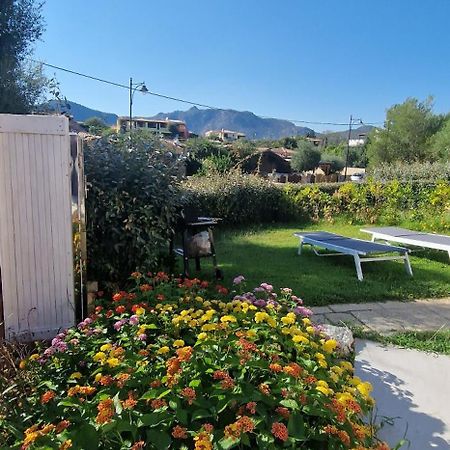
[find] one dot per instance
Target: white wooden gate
(36, 259)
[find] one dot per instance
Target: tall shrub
(132, 204)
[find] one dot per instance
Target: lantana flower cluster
(177, 363)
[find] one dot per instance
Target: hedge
(248, 199)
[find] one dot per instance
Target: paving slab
(380, 322)
(339, 318)
(355, 307)
(320, 309)
(412, 387)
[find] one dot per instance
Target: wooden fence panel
(36, 258)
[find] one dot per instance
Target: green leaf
(163, 394)
(226, 443)
(85, 437)
(289, 403)
(195, 383)
(200, 414)
(296, 426)
(153, 419)
(160, 439)
(182, 415)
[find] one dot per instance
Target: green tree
(336, 163)
(22, 83)
(406, 135)
(96, 125)
(289, 142)
(440, 142)
(199, 149)
(242, 148)
(307, 157)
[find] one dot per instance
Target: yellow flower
(105, 347)
(329, 345)
(198, 298)
(322, 363)
(354, 381)
(209, 327)
(310, 330)
(34, 356)
(271, 322)
(140, 311)
(285, 330)
(163, 350)
(75, 375)
(251, 333)
(113, 362)
(344, 397)
(306, 321)
(346, 366)
(98, 377)
(298, 338)
(319, 356)
(260, 316)
(100, 356)
(193, 323)
(22, 364)
(206, 304)
(202, 336)
(364, 388)
(178, 343)
(289, 319)
(228, 318)
(323, 389)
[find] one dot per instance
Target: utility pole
(131, 112)
(348, 145)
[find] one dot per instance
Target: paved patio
(412, 388)
(387, 317)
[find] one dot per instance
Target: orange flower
(264, 388)
(130, 402)
(251, 407)
(280, 431)
(145, 288)
(138, 445)
(66, 445)
(184, 353)
(120, 309)
(246, 424)
(61, 426)
(158, 403)
(208, 427)
(155, 384)
(179, 432)
(189, 394)
(121, 379)
(275, 367)
(47, 396)
(293, 369)
(105, 411)
(283, 412)
(202, 442)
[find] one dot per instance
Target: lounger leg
(358, 267)
(408, 265)
(300, 246)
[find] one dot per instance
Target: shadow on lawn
(396, 402)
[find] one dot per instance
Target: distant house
(359, 141)
(167, 127)
(225, 135)
(265, 163)
(317, 142)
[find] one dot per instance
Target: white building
(225, 135)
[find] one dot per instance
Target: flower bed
(180, 364)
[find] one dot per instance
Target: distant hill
(201, 120)
(336, 137)
(255, 127)
(81, 113)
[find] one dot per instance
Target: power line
(168, 97)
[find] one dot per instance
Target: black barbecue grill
(197, 241)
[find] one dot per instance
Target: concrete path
(386, 317)
(411, 386)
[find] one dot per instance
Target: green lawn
(428, 341)
(269, 254)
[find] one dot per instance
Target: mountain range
(255, 127)
(200, 120)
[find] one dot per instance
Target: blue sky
(318, 60)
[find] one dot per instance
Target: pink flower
(286, 291)
(134, 320)
(239, 279)
(267, 287)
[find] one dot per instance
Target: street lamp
(133, 88)
(351, 122)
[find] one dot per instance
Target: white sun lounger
(357, 248)
(409, 237)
